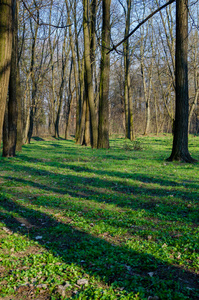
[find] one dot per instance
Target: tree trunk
(33, 79)
(10, 120)
(103, 130)
(196, 81)
(68, 114)
(80, 134)
(5, 54)
(19, 114)
(75, 72)
(180, 141)
(61, 88)
(88, 81)
(128, 108)
(82, 124)
(19, 142)
(88, 129)
(80, 77)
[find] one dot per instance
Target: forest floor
(80, 223)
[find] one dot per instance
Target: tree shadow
(114, 264)
(110, 191)
(133, 175)
(38, 139)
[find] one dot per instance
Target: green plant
(123, 223)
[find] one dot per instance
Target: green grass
(123, 219)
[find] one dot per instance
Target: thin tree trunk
(53, 99)
(19, 114)
(61, 89)
(128, 108)
(80, 78)
(131, 121)
(156, 109)
(80, 135)
(196, 82)
(33, 79)
(68, 115)
(87, 133)
(19, 142)
(75, 71)
(82, 124)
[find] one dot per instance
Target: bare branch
(41, 23)
(140, 24)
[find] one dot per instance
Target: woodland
(66, 68)
(99, 131)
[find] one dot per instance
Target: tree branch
(140, 24)
(41, 24)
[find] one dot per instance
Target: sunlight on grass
(81, 223)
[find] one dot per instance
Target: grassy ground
(78, 223)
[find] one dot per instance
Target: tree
(33, 108)
(10, 118)
(88, 76)
(72, 45)
(180, 150)
(129, 130)
(103, 131)
(6, 23)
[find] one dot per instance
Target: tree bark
(128, 104)
(80, 64)
(33, 79)
(72, 45)
(19, 114)
(10, 119)
(180, 141)
(5, 54)
(88, 77)
(80, 134)
(103, 130)
(61, 88)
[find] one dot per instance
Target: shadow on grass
(115, 265)
(133, 175)
(115, 192)
(38, 139)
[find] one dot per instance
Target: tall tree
(34, 81)
(6, 17)
(129, 129)
(80, 65)
(10, 118)
(103, 132)
(88, 75)
(180, 150)
(62, 82)
(75, 69)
